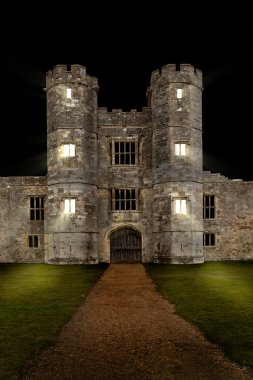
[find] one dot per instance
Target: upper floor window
(69, 93)
(209, 207)
(69, 150)
(181, 206)
(36, 208)
(69, 206)
(124, 199)
(208, 239)
(179, 93)
(180, 149)
(124, 152)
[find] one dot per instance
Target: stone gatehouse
(125, 186)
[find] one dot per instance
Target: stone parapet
(76, 75)
(183, 73)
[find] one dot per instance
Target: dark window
(36, 208)
(124, 152)
(209, 207)
(124, 199)
(33, 241)
(208, 239)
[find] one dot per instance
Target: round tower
(71, 209)
(176, 101)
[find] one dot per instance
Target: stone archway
(125, 246)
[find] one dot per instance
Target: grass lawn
(36, 300)
(217, 297)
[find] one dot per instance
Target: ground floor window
(208, 239)
(33, 241)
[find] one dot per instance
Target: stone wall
(125, 126)
(15, 223)
(178, 238)
(233, 222)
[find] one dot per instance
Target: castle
(125, 186)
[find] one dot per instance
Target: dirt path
(126, 330)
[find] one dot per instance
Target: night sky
(121, 43)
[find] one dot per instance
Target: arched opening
(125, 246)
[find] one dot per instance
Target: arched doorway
(125, 246)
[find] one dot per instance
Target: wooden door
(125, 246)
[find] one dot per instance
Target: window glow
(72, 206)
(69, 93)
(69, 206)
(181, 206)
(178, 208)
(66, 150)
(179, 93)
(72, 150)
(183, 149)
(69, 150)
(180, 149)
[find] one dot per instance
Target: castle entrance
(125, 246)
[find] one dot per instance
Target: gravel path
(126, 330)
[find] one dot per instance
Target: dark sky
(121, 43)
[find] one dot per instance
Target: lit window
(179, 93)
(36, 208)
(69, 93)
(33, 241)
(180, 149)
(208, 239)
(181, 206)
(208, 206)
(69, 150)
(69, 206)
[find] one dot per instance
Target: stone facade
(15, 223)
(233, 222)
(128, 171)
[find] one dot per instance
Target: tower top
(76, 75)
(184, 73)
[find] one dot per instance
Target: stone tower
(177, 164)
(71, 208)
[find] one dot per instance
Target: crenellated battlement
(119, 117)
(103, 110)
(184, 73)
(76, 75)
